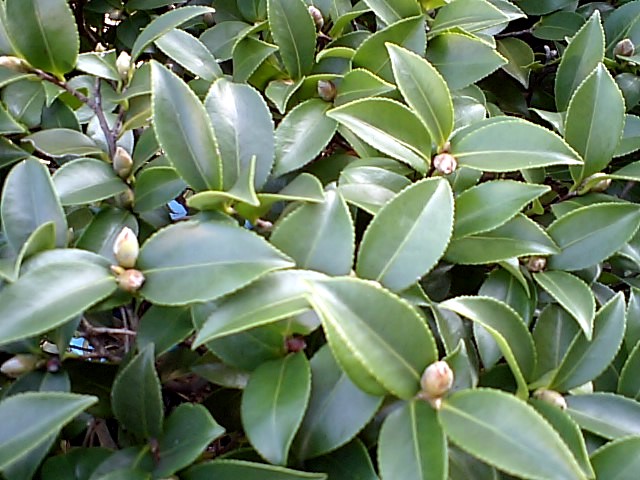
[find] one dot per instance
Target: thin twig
(93, 330)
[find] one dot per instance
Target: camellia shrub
(332, 239)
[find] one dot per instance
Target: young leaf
(213, 259)
(136, 398)
(408, 235)
(486, 423)
(357, 313)
(605, 414)
(424, 90)
(274, 403)
(412, 444)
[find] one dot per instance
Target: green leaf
(184, 130)
(86, 180)
(486, 423)
(520, 57)
(388, 126)
(156, 186)
(78, 464)
(582, 55)
(630, 141)
(8, 124)
(594, 122)
(468, 15)
(165, 327)
(590, 234)
(248, 55)
(518, 237)
(30, 418)
(605, 414)
(408, 235)
(43, 238)
(281, 91)
(318, 236)
(350, 461)
(236, 469)
(213, 259)
(477, 211)
(558, 25)
(585, 359)
(412, 444)
(390, 11)
(370, 188)
(355, 315)
(629, 382)
(44, 33)
(163, 24)
(64, 290)
(274, 403)
(360, 83)
(301, 135)
(617, 460)
(100, 64)
(506, 327)
(408, 33)
(337, 409)
(425, 91)
(508, 145)
(273, 297)
(553, 334)
(28, 201)
(461, 59)
(295, 33)
(59, 142)
(136, 398)
(189, 52)
(187, 432)
(101, 233)
(573, 294)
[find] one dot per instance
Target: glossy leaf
(58, 142)
(553, 334)
(43, 32)
(503, 146)
(274, 403)
(424, 90)
(156, 186)
(591, 234)
(486, 423)
(86, 180)
(337, 409)
(350, 461)
(360, 83)
(189, 52)
(391, 11)
(213, 259)
(629, 383)
(585, 359)
(389, 127)
(573, 294)
(355, 314)
(318, 236)
(408, 235)
(184, 130)
(295, 33)
(100, 234)
(164, 327)
(617, 460)
(583, 54)
(469, 15)
(412, 444)
(520, 57)
(136, 398)
(29, 418)
(605, 414)
(235, 469)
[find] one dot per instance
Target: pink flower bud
(445, 163)
(131, 280)
(326, 90)
(436, 381)
(316, 14)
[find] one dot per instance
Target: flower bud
(131, 280)
(122, 162)
(445, 163)
(552, 397)
(126, 248)
(436, 381)
(316, 14)
(326, 90)
(598, 182)
(14, 63)
(624, 47)
(19, 364)
(123, 65)
(536, 264)
(125, 199)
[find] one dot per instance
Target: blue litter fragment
(177, 210)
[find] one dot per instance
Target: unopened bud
(123, 65)
(316, 14)
(209, 19)
(122, 162)
(624, 48)
(436, 381)
(326, 90)
(19, 364)
(598, 182)
(536, 264)
(14, 63)
(131, 280)
(551, 397)
(125, 199)
(445, 163)
(126, 248)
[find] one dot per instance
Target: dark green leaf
(156, 186)
(617, 460)
(86, 180)
(236, 469)
(165, 327)
(468, 15)
(390, 11)
(629, 383)
(295, 33)
(189, 52)
(351, 461)
(553, 334)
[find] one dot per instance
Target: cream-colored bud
(131, 280)
(436, 381)
(552, 397)
(14, 63)
(316, 14)
(19, 364)
(445, 163)
(326, 90)
(624, 47)
(536, 264)
(598, 182)
(123, 65)
(122, 162)
(50, 348)
(126, 248)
